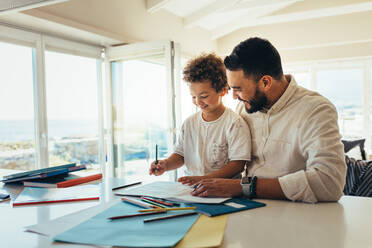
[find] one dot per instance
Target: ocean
(23, 130)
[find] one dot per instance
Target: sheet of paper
(206, 232)
(128, 232)
(61, 224)
(169, 190)
(234, 205)
(32, 195)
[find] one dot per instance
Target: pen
(166, 209)
(125, 186)
(137, 202)
(169, 217)
(134, 215)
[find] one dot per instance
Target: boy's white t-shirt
(208, 146)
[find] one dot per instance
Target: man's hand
(190, 180)
(159, 168)
(218, 187)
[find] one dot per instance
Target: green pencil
(152, 203)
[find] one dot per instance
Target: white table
(346, 224)
(278, 224)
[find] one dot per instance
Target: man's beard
(258, 102)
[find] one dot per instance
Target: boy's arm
(228, 171)
(174, 161)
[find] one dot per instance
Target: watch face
(245, 180)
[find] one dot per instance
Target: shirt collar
(284, 99)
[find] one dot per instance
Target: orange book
(62, 181)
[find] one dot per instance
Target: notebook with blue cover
(230, 206)
(37, 172)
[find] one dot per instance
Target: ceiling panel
(184, 8)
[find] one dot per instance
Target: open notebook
(169, 190)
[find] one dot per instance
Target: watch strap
(252, 188)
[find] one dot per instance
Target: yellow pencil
(166, 209)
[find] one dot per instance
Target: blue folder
(223, 208)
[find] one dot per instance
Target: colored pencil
(152, 203)
(166, 209)
(134, 215)
(125, 186)
(138, 203)
(169, 204)
(169, 217)
(156, 154)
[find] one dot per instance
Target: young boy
(214, 142)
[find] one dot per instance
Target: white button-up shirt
(298, 141)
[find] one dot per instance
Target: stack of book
(52, 177)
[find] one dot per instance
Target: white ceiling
(8, 6)
(222, 17)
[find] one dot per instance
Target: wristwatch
(248, 184)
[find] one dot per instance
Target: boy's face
(205, 97)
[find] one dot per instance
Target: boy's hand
(190, 180)
(158, 169)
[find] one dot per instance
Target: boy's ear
(223, 91)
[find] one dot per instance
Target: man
(297, 149)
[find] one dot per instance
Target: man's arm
(320, 143)
(267, 188)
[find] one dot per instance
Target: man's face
(246, 90)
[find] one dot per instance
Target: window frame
(40, 43)
(171, 52)
(364, 64)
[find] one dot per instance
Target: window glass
(187, 107)
(17, 140)
(141, 118)
(344, 88)
(72, 109)
(302, 79)
(229, 101)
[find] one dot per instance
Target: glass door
(143, 111)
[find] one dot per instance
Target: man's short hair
(256, 57)
(206, 67)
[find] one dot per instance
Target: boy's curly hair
(206, 67)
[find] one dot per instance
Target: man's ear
(267, 82)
